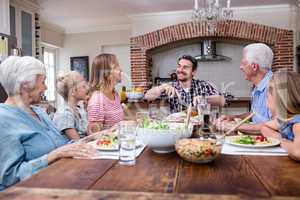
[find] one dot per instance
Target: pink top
(102, 109)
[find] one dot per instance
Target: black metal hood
(209, 53)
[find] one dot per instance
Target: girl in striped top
(104, 107)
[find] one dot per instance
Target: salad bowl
(162, 136)
(198, 150)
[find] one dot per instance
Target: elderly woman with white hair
(256, 68)
(29, 141)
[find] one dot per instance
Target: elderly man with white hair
(29, 141)
(256, 67)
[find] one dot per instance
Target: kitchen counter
(237, 102)
(143, 105)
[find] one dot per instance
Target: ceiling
(73, 15)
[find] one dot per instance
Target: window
(49, 59)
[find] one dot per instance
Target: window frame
(50, 49)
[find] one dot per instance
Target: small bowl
(134, 95)
(198, 150)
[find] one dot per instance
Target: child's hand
(291, 148)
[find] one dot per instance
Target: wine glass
(141, 117)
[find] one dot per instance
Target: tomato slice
(103, 142)
(260, 138)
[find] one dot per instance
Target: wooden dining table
(163, 176)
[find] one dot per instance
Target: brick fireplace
(280, 40)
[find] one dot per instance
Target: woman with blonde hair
(284, 103)
(70, 119)
(104, 107)
(29, 140)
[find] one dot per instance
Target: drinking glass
(127, 140)
(214, 116)
(219, 133)
(204, 114)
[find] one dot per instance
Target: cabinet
(23, 25)
(27, 33)
(4, 17)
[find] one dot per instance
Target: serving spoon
(239, 124)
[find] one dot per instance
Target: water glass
(127, 142)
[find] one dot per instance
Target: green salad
(160, 125)
(246, 139)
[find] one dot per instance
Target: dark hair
(191, 59)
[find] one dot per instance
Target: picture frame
(80, 64)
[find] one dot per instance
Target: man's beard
(184, 79)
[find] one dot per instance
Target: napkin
(114, 155)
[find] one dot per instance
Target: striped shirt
(102, 109)
(198, 88)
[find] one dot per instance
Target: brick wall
(280, 40)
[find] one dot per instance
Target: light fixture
(211, 13)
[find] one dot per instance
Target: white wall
(90, 44)
(51, 36)
(123, 53)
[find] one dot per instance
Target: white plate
(114, 147)
(231, 140)
(180, 117)
(177, 115)
(103, 148)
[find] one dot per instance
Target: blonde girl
(70, 118)
(284, 103)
